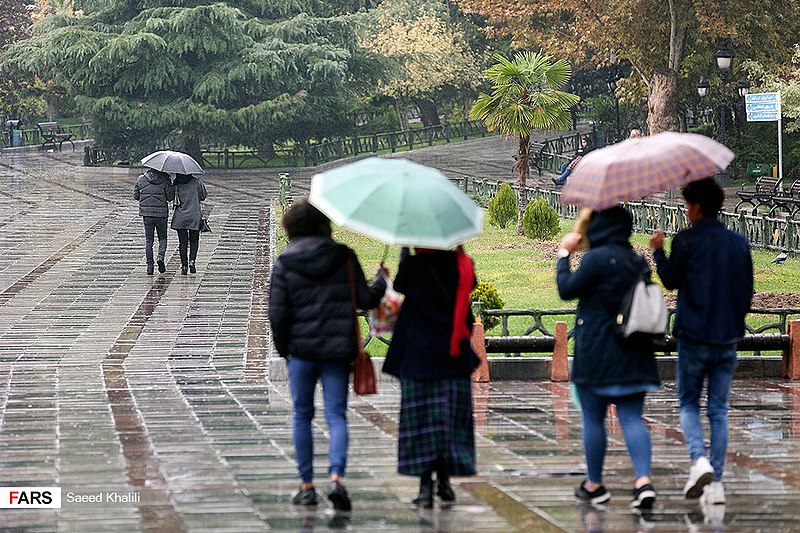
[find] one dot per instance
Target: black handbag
(204, 227)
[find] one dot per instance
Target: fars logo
(30, 497)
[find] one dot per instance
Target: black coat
(310, 306)
(420, 347)
(606, 273)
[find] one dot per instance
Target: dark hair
(303, 219)
(707, 193)
(159, 173)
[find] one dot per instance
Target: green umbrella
(397, 202)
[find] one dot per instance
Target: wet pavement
(152, 393)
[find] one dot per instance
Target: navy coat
(420, 347)
(310, 306)
(606, 273)
(712, 269)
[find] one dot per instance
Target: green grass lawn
(523, 271)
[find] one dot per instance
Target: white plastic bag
(383, 318)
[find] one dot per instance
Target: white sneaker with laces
(700, 474)
(713, 494)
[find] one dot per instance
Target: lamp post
(723, 56)
(612, 85)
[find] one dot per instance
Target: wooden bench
(762, 195)
(535, 156)
(52, 133)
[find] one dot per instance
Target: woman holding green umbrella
(410, 205)
(431, 355)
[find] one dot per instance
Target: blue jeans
(564, 173)
(303, 377)
(629, 413)
(696, 362)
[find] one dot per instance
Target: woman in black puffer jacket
(313, 327)
(606, 369)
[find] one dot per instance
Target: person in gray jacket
(189, 192)
(154, 191)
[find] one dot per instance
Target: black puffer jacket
(154, 191)
(310, 307)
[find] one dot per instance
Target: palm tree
(525, 96)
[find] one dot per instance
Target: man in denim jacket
(712, 269)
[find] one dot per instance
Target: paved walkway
(155, 389)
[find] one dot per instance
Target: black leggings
(188, 238)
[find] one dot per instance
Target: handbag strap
(351, 278)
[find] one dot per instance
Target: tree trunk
(523, 168)
(662, 102)
(192, 147)
(428, 113)
(402, 119)
(266, 150)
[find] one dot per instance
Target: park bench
(762, 195)
(536, 156)
(788, 201)
(52, 133)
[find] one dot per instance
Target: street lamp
(612, 85)
(743, 86)
(724, 57)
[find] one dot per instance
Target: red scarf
(466, 279)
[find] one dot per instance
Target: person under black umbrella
(186, 218)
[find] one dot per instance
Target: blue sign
(766, 106)
(758, 98)
(762, 116)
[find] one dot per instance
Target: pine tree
(253, 72)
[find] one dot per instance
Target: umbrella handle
(385, 254)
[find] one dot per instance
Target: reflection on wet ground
(112, 381)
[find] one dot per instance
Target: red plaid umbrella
(642, 166)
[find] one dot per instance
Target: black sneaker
(597, 496)
(192, 268)
(149, 270)
(643, 497)
(305, 497)
(161, 266)
(338, 496)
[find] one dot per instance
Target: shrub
(540, 221)
(488, 295)
(503, 206)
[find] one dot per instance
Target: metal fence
(762, 232)
(301, 155)
(32, 136)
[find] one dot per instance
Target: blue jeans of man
(154, 225)
(629, 412)
(303, 377)
(696, 364)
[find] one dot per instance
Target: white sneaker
(713, 515)
(700, 474)
(713, 494)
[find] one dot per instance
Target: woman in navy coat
(606, 369)
(431, 354)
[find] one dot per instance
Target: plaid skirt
(436, 425)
